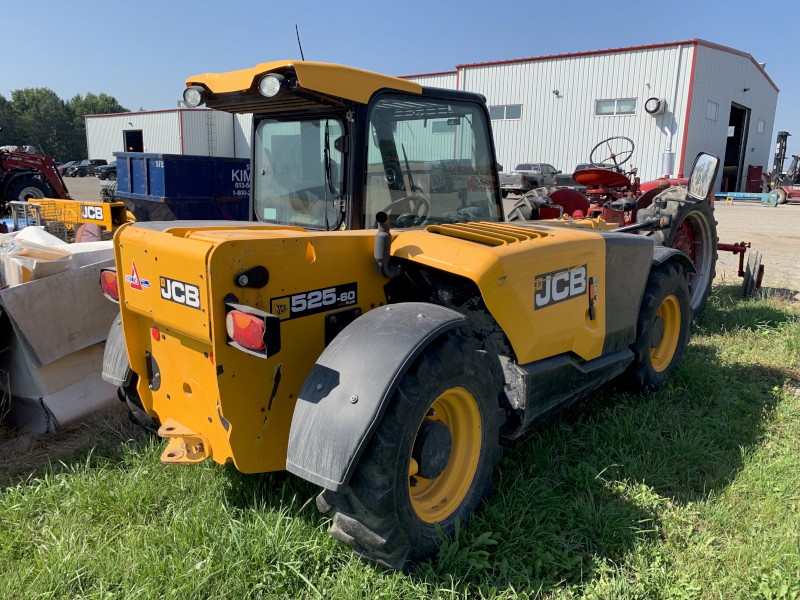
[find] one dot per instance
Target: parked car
(565, 180)
(63, 168)
(527, 176)
(108, 171)
(85, 167)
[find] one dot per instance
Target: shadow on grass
(102, 437)
(590, 485)
(727, 311)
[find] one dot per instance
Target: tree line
(38, 117)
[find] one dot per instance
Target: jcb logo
(93, 213)
(180, 292)
(555, 287)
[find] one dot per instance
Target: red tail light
(246, 330)
(108, 281)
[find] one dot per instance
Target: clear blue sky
(141, 51)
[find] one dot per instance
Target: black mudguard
(344, 397)
(662, 254)
(116, 366)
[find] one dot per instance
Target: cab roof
(237, 91)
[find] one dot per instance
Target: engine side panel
(557, 290)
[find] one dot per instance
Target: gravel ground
(775, 231)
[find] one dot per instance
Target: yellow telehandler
(376, 328)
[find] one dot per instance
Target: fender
(662, 254)
(116, 366)
(346, 393)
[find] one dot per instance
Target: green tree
(43, 120)
(37, 116)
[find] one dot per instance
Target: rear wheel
(112, 175)
(430, 461)
(693, 230)
(662, 329)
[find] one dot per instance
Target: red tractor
(616, 199)
(24, 175)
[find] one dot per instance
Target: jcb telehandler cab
(376, 328)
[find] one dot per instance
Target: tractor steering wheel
(417, 202)
(625, 147)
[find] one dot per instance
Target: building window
(712, 108)
(615, 107)
(761, 125)
(506, 111)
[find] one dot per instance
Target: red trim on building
(688, 113)
(429, 74)
(694, 42)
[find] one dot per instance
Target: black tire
(693, 230)
(28, 187)
(81, 173)
(504, 193)
(662, 329)
(112, 175)
(521, 211)
(751, 282)
(383, 513)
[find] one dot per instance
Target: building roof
(694, 42)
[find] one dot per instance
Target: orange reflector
(155, 333)
(246, 330)
(108, 281)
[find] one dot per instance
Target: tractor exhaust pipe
(383, 246)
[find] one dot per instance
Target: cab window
(428, 162)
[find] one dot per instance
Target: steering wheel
(416, 202)
(618, 158)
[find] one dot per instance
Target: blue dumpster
(165, 187)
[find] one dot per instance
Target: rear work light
(108, 281)
(253, 331)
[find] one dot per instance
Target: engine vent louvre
(490, 234)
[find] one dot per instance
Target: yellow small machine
(376, 328)
(66, 215)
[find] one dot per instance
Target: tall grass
(691, 492)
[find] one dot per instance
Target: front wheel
(429, 463)
(662, 329)
(781, 193)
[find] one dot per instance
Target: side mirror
(703, 176)
(558, 172)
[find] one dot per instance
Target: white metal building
(550, 109)
(554, 109)
(191, 131)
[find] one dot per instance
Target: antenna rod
(297, 31)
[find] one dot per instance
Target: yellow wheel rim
(436, 499)
(663, 349)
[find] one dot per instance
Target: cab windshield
(428, 162)
(290, 185)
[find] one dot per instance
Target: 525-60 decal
(303, 304)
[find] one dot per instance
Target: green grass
(692, 492)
